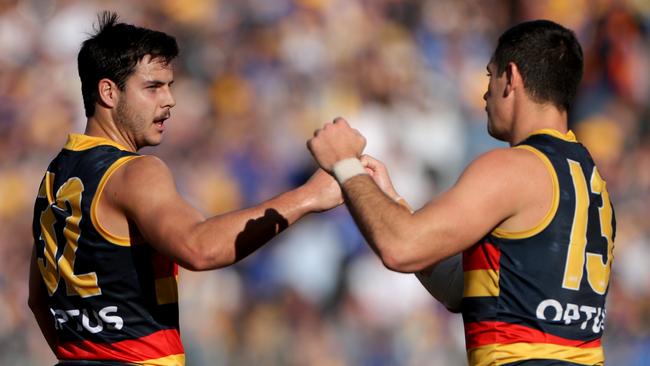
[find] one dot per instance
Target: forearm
(384, 223)
(228, 238)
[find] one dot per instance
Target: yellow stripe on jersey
(172, 360)
(569, 136)
(167, 290)
(481, 282)
(112, 238)
(504, 234)
(500, 354)
(79, 142)
(45, 190)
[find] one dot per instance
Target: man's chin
(155, 142)
(150, 142)
(496, 134)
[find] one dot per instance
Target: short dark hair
(549, 58)
(114, 51)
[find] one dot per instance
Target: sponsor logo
(590, 317)
(89, 319)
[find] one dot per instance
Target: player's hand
(324, 191)
(334, 142)
(379, 174)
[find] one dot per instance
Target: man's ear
(513, 78)
(108, 93)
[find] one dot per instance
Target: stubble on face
(145, 103)
(133, 123)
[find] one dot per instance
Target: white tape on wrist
(348, 168)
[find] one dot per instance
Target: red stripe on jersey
(479, 334)
(481, 256)
(156, 345)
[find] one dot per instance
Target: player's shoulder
(144, 166)
(505, 172)
(144, 173)
(506, 161)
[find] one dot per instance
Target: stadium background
(254, 79)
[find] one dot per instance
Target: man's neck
(539, 117)
(106, 128)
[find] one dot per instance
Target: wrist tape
(348, 168)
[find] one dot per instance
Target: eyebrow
(157, 83)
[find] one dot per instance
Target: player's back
(537, 297)
(111, 298)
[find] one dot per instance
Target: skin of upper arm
(495, 188)
(145, 192)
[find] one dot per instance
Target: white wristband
(348, 168)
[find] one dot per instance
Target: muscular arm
(146, 194)
(445, 279)
(505, 186)
(38, 303)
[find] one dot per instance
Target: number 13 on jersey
(597, 271)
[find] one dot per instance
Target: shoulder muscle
(139, 180)
(493, 189)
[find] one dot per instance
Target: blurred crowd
(253, 81)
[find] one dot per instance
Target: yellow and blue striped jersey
(111, 298)
(537, 297)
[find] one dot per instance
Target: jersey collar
(569, 136)
(79, 142)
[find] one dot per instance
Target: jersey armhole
(550, 214)
(112, 238)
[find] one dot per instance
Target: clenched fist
(335, 141)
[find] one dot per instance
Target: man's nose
(169, 100)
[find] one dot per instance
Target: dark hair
(114, 51)
(548, 57)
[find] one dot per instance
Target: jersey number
(597, 271)
(67, 202)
